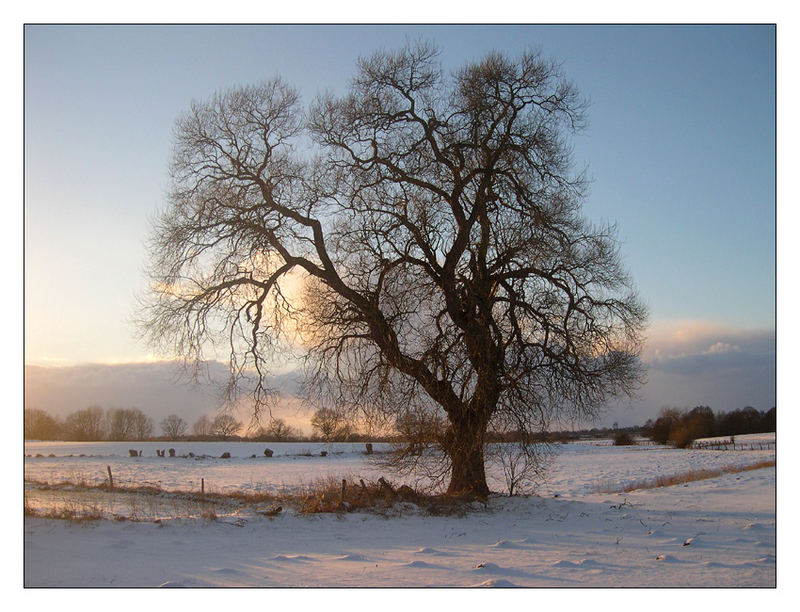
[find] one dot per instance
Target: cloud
(689, 364)
(722, 347)
(693, 349)
(156, 388)
(693, 363)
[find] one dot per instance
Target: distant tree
(118, 424)
(419, 429)
(141, 424)
(330, 425)
(87, 424)
(751, 420)
(701, 422)
(623, 438)
(647, 428)
(768, 422)
(128, 424)
(225, 426)
(203, 427)
(39, 425)
(278, 430)
(741, 421)
(680, 427)
(666, 421)
(173, 427)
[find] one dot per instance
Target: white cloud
(721, 347)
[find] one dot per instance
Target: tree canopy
(419, 241)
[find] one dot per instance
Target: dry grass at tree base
(681, 478)
(340, 495)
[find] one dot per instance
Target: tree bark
(465, 448)
(468, 476)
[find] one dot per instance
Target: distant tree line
(681, 427)
(117, 424)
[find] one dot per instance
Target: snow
(713, 532)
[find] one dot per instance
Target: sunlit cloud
(691, 347)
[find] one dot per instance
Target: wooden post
(203, 487)
(110, 478)
(386, 485)
(344, 486)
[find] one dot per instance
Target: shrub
(623, 438)
(682, 436)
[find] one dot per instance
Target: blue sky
(680, 147)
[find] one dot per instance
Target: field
(576, 530)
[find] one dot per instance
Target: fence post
(202, 487)
(110, 478)
(344, 486)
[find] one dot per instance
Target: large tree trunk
(465, 448)
(468, 476)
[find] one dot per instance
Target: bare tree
(437, 233)
(39, 425)
(203, 427)
(118, 424)
(173, 427)
(225, 426)
(86, 424)
(278, 430)
(418, 430)
(330, 424)
(141, 424)
(128, 424)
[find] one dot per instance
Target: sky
(680, 148)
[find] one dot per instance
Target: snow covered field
(714, 532)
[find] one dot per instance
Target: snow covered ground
(714, 532)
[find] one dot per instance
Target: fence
(729, 445)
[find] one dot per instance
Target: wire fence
(725, 445)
